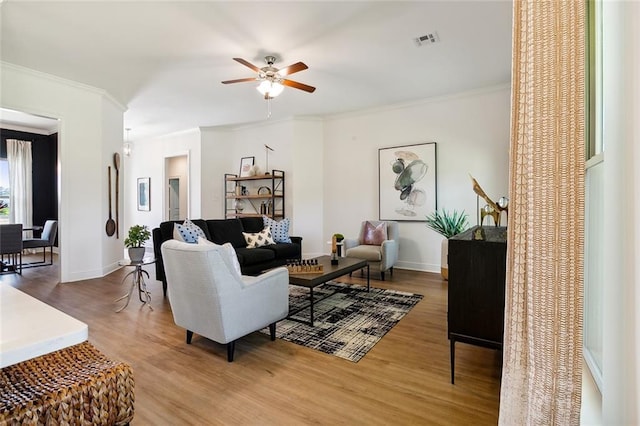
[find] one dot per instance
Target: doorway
(174, 198)
(43, 134)
(176, 205)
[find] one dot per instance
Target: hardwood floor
(404, 379)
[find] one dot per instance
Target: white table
(30, 328)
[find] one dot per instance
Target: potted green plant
(447, 224)
(138, 235)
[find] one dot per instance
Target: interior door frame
(165, 181)
(168, 186)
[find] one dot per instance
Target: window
(4, 190)
(594, 199)
(595, 144)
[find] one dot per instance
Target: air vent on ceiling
(427, 39)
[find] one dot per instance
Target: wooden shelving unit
(255, 204)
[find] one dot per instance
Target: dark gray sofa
(220, 231)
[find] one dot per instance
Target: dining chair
(47, 239)
(11, 248)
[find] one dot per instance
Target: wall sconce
(126, 147)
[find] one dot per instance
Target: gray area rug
(348, 322)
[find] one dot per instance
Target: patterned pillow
(258, 239)
(374, 233)
(231, 252)
(279, 230)
(188, 232)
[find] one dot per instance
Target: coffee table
(345, 266)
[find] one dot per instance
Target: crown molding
(65, 82)
(426, 101)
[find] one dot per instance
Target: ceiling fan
(271, 78)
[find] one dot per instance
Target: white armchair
(208, 296)
(377, 243)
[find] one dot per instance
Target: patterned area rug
(348, 322)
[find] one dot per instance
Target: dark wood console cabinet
(476, 289)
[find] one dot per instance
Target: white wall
(332, 165)
(90, 132)
(297, 149)
(147, 159)
(621, 262)
(472, 135)
(217, 159)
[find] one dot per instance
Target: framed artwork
(245, 166)
(407, 182)
(144, 194)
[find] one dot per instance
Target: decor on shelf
(144, 194)
(255, 170)
(245, 166)
(267, 148)
(138, 235)
(407, 181)
(492, 208)
(349, 321)
(446, 224)
(262, 195)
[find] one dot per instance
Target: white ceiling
(165, 60)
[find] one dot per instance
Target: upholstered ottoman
(77, 385)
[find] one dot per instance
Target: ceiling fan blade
(239, 80)
(297, 85)
(247, 64)
(299, 66)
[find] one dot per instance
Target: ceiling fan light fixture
(270, 89)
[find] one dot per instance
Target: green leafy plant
(138, 235)
(447, 223)
(339, 237)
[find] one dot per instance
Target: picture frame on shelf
(407, 182)
(245, 166)
(144, 194)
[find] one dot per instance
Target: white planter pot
(444, 264)
(136, 254)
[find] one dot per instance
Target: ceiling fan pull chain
(268, 108)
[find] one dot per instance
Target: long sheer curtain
(542, 367)
(20, 179)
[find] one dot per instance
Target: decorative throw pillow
(279, 230)
(374, 234)
(188, 232)
(231, 253)
(258, 239)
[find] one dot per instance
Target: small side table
(137, 279)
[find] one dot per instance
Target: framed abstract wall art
(144, 194)
(407, 182)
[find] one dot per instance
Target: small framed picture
(245, 166)
(144, 194)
